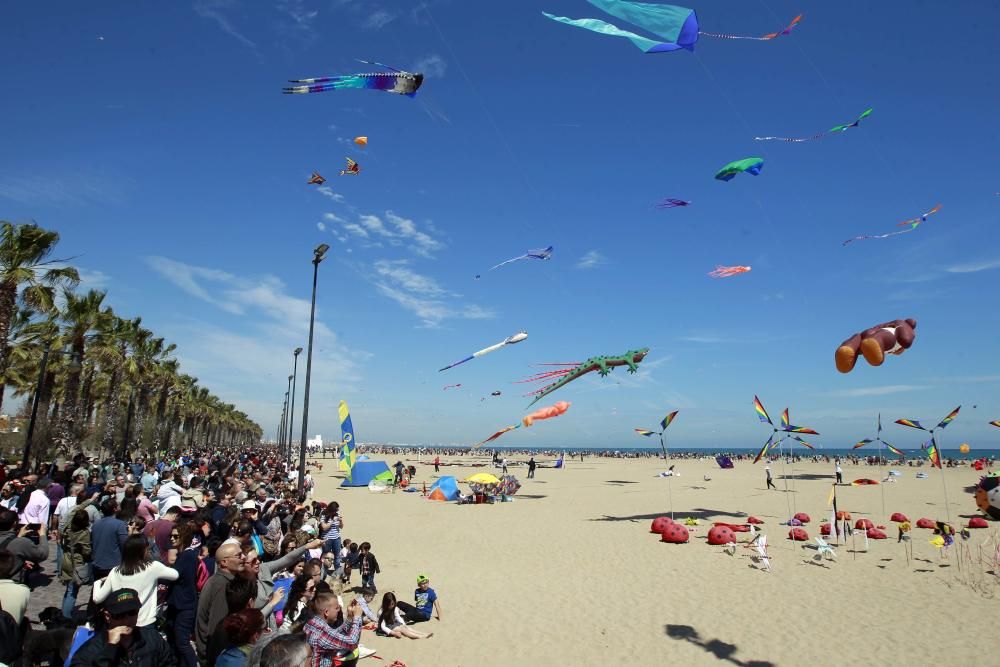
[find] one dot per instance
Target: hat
(249, 505)
(421, 578)
(123, 601)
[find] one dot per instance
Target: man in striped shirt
(332, 635)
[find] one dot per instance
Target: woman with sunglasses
(301, 594)
(267, 596)
(183, 601)
(243, 629)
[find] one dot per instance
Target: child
(349, 562)
(367, 566)
(426, 600)
(365, 601)
(392, 623)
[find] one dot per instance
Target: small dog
(50, 646)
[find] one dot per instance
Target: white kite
(509, 340)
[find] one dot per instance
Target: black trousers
(411, 613)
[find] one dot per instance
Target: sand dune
(570, 574)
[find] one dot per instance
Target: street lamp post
(25, 464)
(318, 254)
(291, 412)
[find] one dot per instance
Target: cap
(123, 601)
(421, 578)
(248, 505)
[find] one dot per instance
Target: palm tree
(119, 337)
(26, 270)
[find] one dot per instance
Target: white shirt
(63, 510)
(144, 583)
(37, 509)
(15, 598)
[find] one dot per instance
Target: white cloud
(321, 226)
(327, 191)
(974, 267)
(591, 260)
(300, 22)
(216, 10)
(393, 229)
(187, 276)
(704, 338)
(92, 279)
(59, 188)
(423, 295)
(378, 19)
(878, 391)
(399, 272)
(432, 66)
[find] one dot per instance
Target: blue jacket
(107, 538)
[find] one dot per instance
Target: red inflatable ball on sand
(735, 527)
(898, 517)
(721, 535)
(659, 523)
(863, 524)
(875, 534)
(824, 529)
(674, 533)
(798, 534)
(978, 522)
(755, 521)
(926, 523)
(803, 517)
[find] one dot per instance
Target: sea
(708, 451)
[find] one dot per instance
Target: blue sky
(155, 139)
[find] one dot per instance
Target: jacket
(148, 650)
(212, 608)
(265, 580)
(77, 551)
(25, 549)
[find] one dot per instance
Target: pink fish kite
(546, 413)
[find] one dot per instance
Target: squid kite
(913, 223)
(509, 340)
(352, 169)
(543, 254)
(728, 271)
(397, 81)
(751, 165)
(670, 202)
(678, 26)
(603, 366)
(832, 130)
(361, 141)
(316, 179)
(546, 413)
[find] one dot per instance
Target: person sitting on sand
(392, 623)
(426, 601)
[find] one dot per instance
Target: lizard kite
(603, 366)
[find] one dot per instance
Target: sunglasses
(174, 536)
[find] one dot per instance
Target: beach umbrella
(482, 478)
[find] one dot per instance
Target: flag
(761, 412)
(932, 454)
(642, 431)
(911, 423)
(862, 443)
(669, 418)
(947, 420)
(897, 452)
(347, 445)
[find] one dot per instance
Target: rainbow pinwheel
(932, 450)
(787, 430)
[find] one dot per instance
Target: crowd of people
(210, 559)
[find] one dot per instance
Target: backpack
(202, 575)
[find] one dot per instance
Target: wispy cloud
(75, 188)
(92, 279)
(379, 18)
(217, 10)
(974, 267)
(591, 260)
(423, 295)
(432, 66)
(389, 228)
(298, 21)
(189, 278)
(705, 338)
(327, 191)
(321, 226)
(878, 391)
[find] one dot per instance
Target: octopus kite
(352, 169)
(728, 271)
(873, 344)
(316, 179)
(678, 26)
(913, 223)
(833, 130)
(603, 366)
(396, 81)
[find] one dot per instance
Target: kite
(728, 271)
(678, 26)
(361, 141)
(496, 435)
(785, 428)
(988, 495)
(751, 165)
(450, 386)
(931, 445)
(543, 254)
(873, 344)
(348, 444)
(495, 393)
(509, 340)
(316, 179)
(353, 168)
(913, 223)
(832, 130)
(603, 366)
(670, 202)
(559, 408)
(397, 81)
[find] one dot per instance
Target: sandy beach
(570, 574)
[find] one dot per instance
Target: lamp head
(289, 378)
(297, 351)
(319, 252)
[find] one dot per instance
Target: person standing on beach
(770, 481)
(437, 464)
(840, 473)
(531, 468)
(503, 464)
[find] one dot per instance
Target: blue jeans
(335, 545)
(183, 621)
(69, 599)
(368, 581)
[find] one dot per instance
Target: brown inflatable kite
(873, 344)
